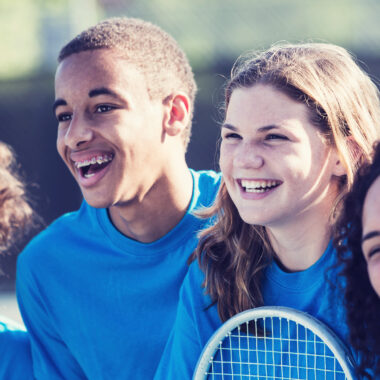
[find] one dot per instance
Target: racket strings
(254, 328)
(285, 350)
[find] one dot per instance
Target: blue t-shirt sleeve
(195, 323)
(51, 357)
(16, 359)
(183, 348)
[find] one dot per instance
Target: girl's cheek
(374, 273)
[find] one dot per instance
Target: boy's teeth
(89, 175)
(94, 160)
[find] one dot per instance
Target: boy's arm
(52, 359)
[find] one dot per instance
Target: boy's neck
(159, 212)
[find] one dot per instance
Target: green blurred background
(212, 32)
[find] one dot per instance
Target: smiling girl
(300, 119)
(358, 233)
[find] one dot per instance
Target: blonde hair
(15, 211)
(344, 105)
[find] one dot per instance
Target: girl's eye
(373, 251)
(104, 108)
(62, 117)
(274, 136)
(231, 136)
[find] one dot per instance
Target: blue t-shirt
(316, 290)
(15, 354)
(99, 305)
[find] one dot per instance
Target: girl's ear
(178, 114)
(340, 168)
(355, 153)
(355, 150)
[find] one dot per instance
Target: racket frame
(332, 341)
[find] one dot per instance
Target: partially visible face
(276, 165)
(109, 130)
(371, 234)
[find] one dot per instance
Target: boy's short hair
(146, 46)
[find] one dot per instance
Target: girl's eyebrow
(370, 235)
(229, 126)
(261, 129)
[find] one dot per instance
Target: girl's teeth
(257, 186)
(249, 190)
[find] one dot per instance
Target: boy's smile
(92, 167)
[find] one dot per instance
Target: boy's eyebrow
(370, 235)
(59, 102)
(91, 94)
(102, 91)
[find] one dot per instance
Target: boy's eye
(104, 108)
(62, 117)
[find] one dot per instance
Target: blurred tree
(18, 44)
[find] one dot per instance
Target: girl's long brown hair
(343, 104)
(362, 303)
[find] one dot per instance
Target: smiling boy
(98, 289)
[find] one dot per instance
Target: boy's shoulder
(60, 232)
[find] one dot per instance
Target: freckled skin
(293, 153)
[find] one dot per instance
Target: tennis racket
(274, 343)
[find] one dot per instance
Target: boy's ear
(177, 113)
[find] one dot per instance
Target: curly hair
(362, 303)
(146, 46)
(15, 211)
(343, 104)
